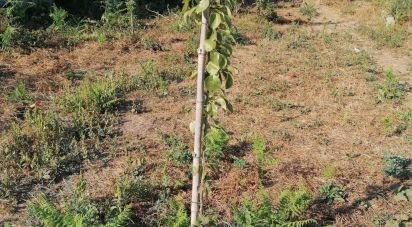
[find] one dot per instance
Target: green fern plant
(77, 211)
(58, 16)
(177, 216)
(291, 206)
(216, 141)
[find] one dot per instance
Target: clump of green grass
(296, 38)
(216, 141)
(39, 144)
(262, 157)
(330, 192)
(181, 26)
(401, 10)
(266, 9)
(396, 124)
(391, 89)
(7, 37)
(20, 93)
(391, 36)
(308, 10)
(269, 32)
(99, 97)
(329, 172)
(291, 206)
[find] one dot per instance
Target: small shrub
(308, 10)
(331, 193)
(20, 93)
(7, 37)
(396, 166)
(401, 9)
(391, 89)
(291, 206)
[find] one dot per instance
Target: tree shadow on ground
(328, 214)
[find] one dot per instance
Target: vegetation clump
(290, 208)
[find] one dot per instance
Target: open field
(95, 120)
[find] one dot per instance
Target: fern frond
(45, 212)
(122, 218)
(301, 223)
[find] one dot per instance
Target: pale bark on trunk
(197, 156)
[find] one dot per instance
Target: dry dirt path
(399, 59)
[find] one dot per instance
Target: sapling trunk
(198, 122)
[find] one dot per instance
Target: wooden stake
(199, 122)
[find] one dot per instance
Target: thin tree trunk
(199, 122)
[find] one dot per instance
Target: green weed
(392, 36)
(401, 9)
(262, 157)
(216, 140)
(308, 10)
(20, 93)
(291, 206)
(98, 97)
(176, 215)
(329, 172)
(396, 166)
(7, 37)
(330, 192)
(391, 89)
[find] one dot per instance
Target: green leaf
(203, 5)
(218, 59)
(188, 14)
(210, 45)
(229, 79)
(215, 20)
(212, 83)
(212, 68)
(222, 102)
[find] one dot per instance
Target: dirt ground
(334, 119)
